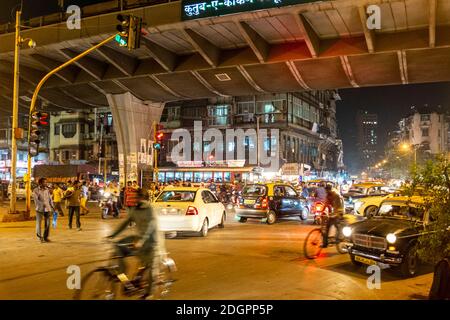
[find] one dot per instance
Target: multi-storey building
(427, 129)
(367, 137)
(307, 134)
(84, 137)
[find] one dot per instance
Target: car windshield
(402, 211)
(356, 190)
(254, 190)
(176, 196)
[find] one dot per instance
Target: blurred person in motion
(336, 215)
(113, 189)
(44, 208)
(147, 241)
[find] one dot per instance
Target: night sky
(390, 102)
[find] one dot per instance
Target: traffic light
(159, 135)
(129, 31)
(38, 119)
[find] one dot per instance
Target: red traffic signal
(159, 135)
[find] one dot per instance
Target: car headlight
(391, 238)
(347, 231)
(358, 205)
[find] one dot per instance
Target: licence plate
(365, 260)
(249, 201)
(165, 211)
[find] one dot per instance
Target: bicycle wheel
(98, 284)
(165, 279)
(313, 244)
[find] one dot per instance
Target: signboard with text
(195, 9)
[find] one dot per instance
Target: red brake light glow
(191, 211)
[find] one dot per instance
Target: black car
(390, 236)
(270, 201)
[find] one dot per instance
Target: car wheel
(305, 214)
(354, 262)
(410, 263)
(242, 219)
(271, 217)
(370, 211)
(222, 222)
(204, 230)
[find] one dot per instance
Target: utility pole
(155, 153)
(12, 204)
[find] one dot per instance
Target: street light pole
(12, 204)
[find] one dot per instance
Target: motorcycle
(319, 210)
(106, 205)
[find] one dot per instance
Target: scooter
(106, 205)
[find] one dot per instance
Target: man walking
(73, 202)
(44, 208)
(58, 195)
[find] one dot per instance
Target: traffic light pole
(155, 152)
(34, 100)
(12, 203)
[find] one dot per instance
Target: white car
(368, 206)
(189, 209)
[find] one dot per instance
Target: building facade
(367, 137)
(84, 137)
(307, 135)
(427, 129)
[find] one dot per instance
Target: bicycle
(108, 283)
(312, 246)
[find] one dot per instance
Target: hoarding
(195, 9)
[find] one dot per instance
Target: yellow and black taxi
(269, 201)
(390, 236)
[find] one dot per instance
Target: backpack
(440, 289)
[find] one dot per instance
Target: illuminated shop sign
(194, 9)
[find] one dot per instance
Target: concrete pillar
(133, 119)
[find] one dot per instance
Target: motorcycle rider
(148, 242)
(336, 215)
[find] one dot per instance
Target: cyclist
(147, 240)
(336, 215)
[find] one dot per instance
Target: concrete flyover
(317, 45)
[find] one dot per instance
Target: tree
(433, 180)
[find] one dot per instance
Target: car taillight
(265, 203)
(191, 211)
(319, 207)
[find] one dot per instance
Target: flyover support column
(133, 120)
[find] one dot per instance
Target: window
(56, 130)
(69, 130)
(170, 114)
(218, 115)
(82, 128)
(425, 132)
(290, 192)
(278, 191)
(245, 107)
(208, 197)
(424, 117)
(176, 196)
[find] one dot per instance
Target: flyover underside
(313, 46)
